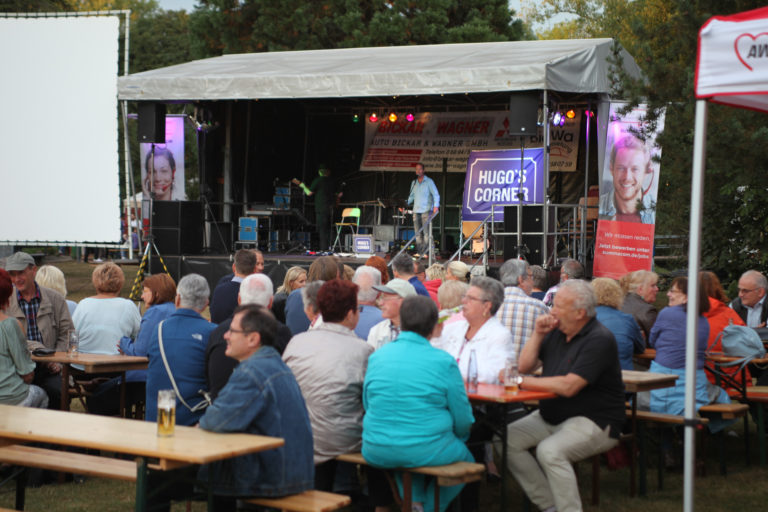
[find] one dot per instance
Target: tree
(224, 26)
(661, 35)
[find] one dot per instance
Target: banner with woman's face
(162, 165)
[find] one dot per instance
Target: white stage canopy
(574, 65)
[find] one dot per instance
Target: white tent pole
(694, 260)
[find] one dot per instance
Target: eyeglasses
(239, 331)
(746, 291)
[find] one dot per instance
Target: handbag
(741, 342)
(206, 396)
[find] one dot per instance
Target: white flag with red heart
(732, 65)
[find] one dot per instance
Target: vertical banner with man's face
(162, 165)
(628, 195)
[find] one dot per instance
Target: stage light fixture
(355, 118)
(409, 117)
(373, 117)
(570, 114)
(392, 117)
(558, 119)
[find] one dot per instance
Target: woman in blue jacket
(417, 410)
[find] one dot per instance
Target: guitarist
(426, 201)
(322, 188)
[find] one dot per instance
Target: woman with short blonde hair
(623, 326)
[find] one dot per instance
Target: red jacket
(719, 316)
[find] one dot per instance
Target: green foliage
(662, 35)
(159, 39)
(223, 26)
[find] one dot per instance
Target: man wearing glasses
(751, 305)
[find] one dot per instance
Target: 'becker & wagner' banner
(433, 136)
(628, 194)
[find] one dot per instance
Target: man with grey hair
(519, 312)
(184, 337)
(580, 364)
(570, 269)
(366, 278)
(403, 268)
(751, 305)
(255, 289)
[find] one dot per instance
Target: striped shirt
(518, 313)
(30, 310)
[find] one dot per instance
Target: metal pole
(129, 189)
(694, 258)
(584, 209)
(545, 215)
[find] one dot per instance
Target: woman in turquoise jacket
(416, 408)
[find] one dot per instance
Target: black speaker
(532, 249)
(152, 122)
(533, 219)
(178, 226)
(523, 113)
(533, 222)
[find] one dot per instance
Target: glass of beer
(166, 412)
(73, 343)
(510, 376)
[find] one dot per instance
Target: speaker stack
(533, 222)
(178, 227)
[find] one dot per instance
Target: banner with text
(493, 177)
(432, 137)
(628, 191)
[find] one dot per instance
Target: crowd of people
(338, 361)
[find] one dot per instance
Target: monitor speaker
(152, 122)
(532, 248)
(523, 113)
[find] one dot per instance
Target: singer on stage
(425, 200)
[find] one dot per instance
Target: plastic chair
(350, 217)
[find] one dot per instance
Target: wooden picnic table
(94, 363)
(189, 445)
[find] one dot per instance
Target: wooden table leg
(141, 484)
(633, 454)
(123, 411)
(64, 387)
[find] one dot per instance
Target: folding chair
(350, 218)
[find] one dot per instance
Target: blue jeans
(422, 240)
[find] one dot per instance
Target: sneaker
(98, 260)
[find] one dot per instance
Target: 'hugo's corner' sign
(494, 177)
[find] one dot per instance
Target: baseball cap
(19, 261)
(399, 287)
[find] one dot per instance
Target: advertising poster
(494, 178)
(162, 165)
(628, 194)
(434, 136)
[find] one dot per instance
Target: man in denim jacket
(261, 397)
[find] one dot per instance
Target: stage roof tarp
(572, 65)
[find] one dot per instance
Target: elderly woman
(480, 331)
(380, 264)
(421, 420)
(16, 367)
(624, 328)
(719, 317)
(668, 336)
(311, 307)
(103, 319)
(53, 278)
(323, 268)
(295, 278)
(457, 271)
(642, 287)
(434, 276)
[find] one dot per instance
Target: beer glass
(166, 412)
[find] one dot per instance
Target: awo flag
(732, 63)
(628, 192)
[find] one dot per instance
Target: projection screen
(59, 169)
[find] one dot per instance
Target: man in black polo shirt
(581, 365)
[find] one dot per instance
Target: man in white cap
(44, 317)
(392, 295)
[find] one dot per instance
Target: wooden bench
(450, 474)
(731, 411)
(758, 395)
(307, 501)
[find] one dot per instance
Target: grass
(741, 490)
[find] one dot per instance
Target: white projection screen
(59, 168)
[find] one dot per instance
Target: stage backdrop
(628, 195)
(493, 178)
(431, 137)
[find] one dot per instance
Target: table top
(649, 355)
(635, 381)
(497, 393)
(717, 357)
(97, 362)
(189, 445)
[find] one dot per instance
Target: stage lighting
(373, 117)
(558, 119)
(355, 118)
(392, 117)
(409, 117)
(570, 114)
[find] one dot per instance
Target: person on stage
(425, 201)
(323, 190)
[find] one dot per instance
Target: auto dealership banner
(628, 195)
(493, 177)
(432, 137)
